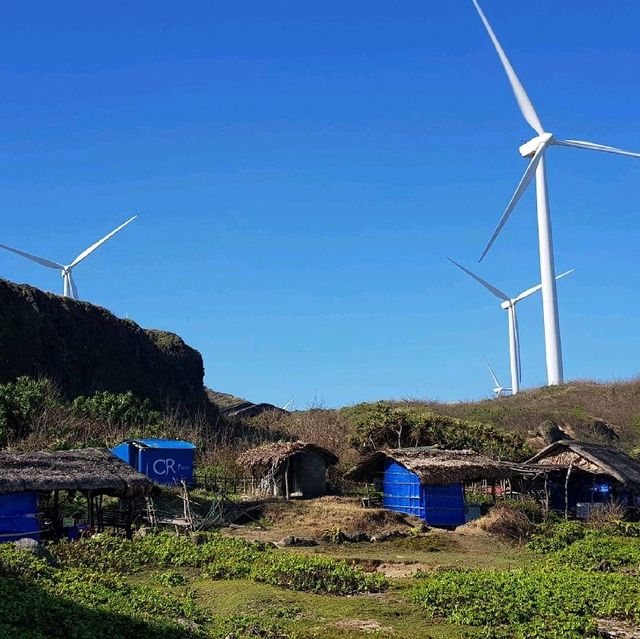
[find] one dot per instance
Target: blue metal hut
(427, 482)
(165, 461)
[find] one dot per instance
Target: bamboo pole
(566, 492)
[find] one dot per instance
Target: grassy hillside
(574, 407)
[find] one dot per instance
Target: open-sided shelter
(427, 482)
(25, 477)
(575, 476)
(289, 469)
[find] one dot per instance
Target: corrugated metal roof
(152, 442)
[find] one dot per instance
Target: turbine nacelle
(528, 149)
(508, 304)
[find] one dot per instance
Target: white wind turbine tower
(69, 286)
(535, 149)
(509, 304)
(499, 390)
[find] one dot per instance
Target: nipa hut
(576, 476)
(289, 469)
(27, 479)
(427, 482)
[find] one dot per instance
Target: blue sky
(301, 172)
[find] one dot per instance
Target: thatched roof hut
(90, 470)
(432, 465)
(594, 459)
(289, 468)
(265, 457)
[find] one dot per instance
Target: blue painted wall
(437, 505)
(18, 516)
(164, 461)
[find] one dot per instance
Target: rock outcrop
(85, 348)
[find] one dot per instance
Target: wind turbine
(535, 149)
(69, 286)
(509, 304)
(499, 390)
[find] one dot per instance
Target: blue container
(441, 505)
(19, 516)
(165, 461)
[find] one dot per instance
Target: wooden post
(546, 493)
(56, 514)
(286, 480)
(566, 492)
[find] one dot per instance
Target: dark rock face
(85, 348)
(550, 432)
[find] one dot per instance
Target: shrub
(116, 409)
(528, 507)
(388, 425)
(554, 536)
(20, 402)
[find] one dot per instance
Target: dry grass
(603, 515)
(573, 406)
(312, 518)
(505, 522)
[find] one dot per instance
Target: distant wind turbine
(69, 286)
(288, 404)
(509, 304)
(498, 390)
(535, 149)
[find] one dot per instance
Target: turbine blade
(591, 146)
(522, 187)
(493, 375)
(99, 243)
(74, 290)
(34, 258)
(496, 291)
(535, 289)
(526, 107)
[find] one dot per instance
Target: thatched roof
(432, 465)
(89, 469)
(592, 458)
(274, 455)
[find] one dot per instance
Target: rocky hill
(85, 348)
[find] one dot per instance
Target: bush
(384, 424)
(554, 536)
(528, 507)
(20, 403)
(116, 409)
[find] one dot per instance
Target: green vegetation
(587, 575)
(117, 409)
(220, 557)
(20, 404)
(387, 425)
(532, 603)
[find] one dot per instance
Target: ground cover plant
(219, 557)
(583, 576)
